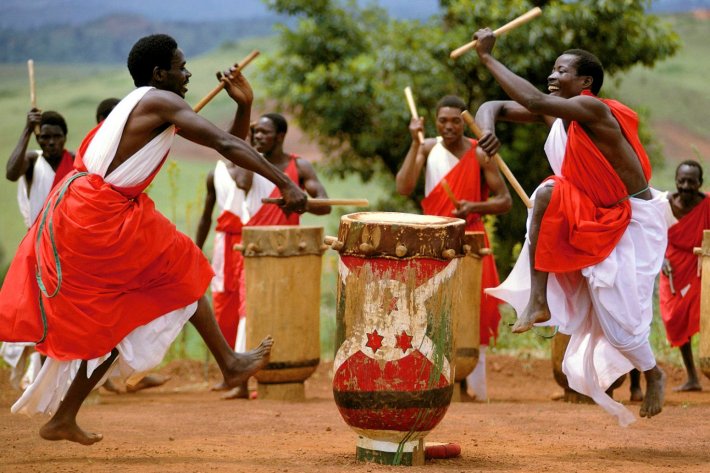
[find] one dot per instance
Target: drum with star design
(399, 284)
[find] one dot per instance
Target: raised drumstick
(33, 96)
(321, 202)
(449, 193)
(239, 66)
(413, 110)
(499, 161)
(521, 20)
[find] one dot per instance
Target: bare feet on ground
(690, 385)
(655, 392)
(148, 381)
(533, 314)
(221, 386)
(57, 430)
(636, 394)
(240, 392)
(246, 364)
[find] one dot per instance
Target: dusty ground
(183, 427)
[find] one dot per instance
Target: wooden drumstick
(499, 161)
(321, 202)
(521, 20)
(450, 194)
(413, 111)
(33, 95)
(239, 66)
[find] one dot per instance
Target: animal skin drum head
(400, 218)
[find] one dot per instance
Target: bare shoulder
(305, 167)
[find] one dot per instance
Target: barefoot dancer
(129, 280)
(679, 288)
(600, 258)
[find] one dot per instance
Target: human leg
(62, 425)
(693, 382)
(655, 392)
(635, 391)
(537, 309)
(236, 367)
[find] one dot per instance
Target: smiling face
(564, 81)
(177, 77)
(449, 124)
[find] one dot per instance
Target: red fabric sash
(588, 212)
(464, 179)
(231, 225)
(65, 167)
(123, 264)
(272, 214)
(681, 313)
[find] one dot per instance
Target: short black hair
(588, 64)
(51, 117)
(691, 163)
(451, 101)
(105, 108)
(147, 53)
(278, 120)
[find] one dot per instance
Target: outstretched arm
(408, 174)
(20, 160)
(499, 202)
(203, 227)
(309, 180)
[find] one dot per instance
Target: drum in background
(399, 282)
(704, 345)
(467, 324)
(282, 267)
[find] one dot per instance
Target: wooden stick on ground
(449, 193)
(499, 161)
(33, 95)
(521, 20)
(321, 202)
(239, 66)
(413, 111)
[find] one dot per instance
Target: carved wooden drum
(399, 282)
(282, 269)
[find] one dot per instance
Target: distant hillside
(108, 39)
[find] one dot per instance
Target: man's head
(105, 108)
(688, 179)
(449, 124)
(52, 135)
(269, 133)
(574, 71)
(156, 60)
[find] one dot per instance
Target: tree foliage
(342, 70)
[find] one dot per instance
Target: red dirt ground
(183, 427)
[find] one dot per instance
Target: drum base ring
(388, 453)
(282, 391)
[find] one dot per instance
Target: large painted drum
(704, 345)
(393, 372)
(467, 325)
(282, 269)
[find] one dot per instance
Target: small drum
(282, 267)
(704, 345)
(467, 327)
(393, 372)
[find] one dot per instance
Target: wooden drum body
(399, 282)
(704, 345)
(282, 267)
(467, 323)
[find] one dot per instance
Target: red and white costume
(603, 250)
(228, 285)
(129, 280)
(680, 311)
(30, 200)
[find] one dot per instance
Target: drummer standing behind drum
(451, 159)
(238, 193)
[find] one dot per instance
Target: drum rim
(426, 220)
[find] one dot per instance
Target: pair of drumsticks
(468, 118)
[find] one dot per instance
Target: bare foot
(655, 392)
(148, 381)
(221, 386)
(690, 385)
(240, 392)
(246, 364)
(56, 430)
(533, 314)
(111, 387)
(636, 394)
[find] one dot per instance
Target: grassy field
(178, 190)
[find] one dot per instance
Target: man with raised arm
(450, 160)
(679, 289)
(596, 232)
(102, 276)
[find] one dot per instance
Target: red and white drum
(399, 283)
